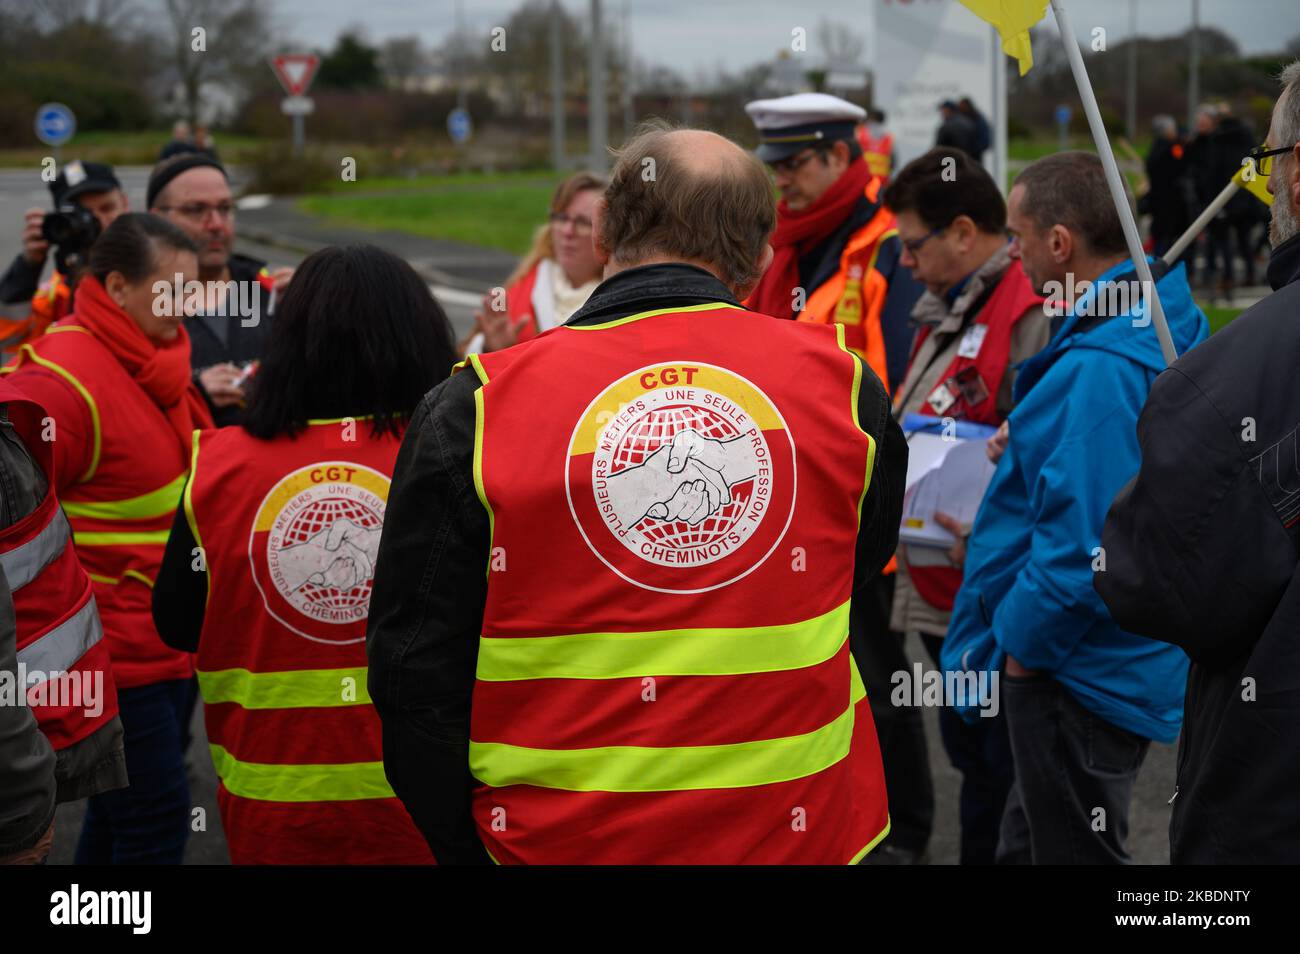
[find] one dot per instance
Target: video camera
(71, 230)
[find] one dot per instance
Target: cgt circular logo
(313, 548)
(681, 477)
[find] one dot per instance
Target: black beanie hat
(170, 168)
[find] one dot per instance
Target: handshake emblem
(686, 479)
(342, 556)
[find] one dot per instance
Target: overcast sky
(692, 34)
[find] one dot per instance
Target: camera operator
(87, 198)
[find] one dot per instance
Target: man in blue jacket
(1082, 697)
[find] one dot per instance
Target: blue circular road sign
(55, 124)
(459, 124)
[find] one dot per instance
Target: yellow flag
(1012, 18)
(1255, 184)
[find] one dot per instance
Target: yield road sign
(295, 71)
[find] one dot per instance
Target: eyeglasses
(581, 224)
(788, 166)
(1263, 158)
(198, 211)
(913, 244)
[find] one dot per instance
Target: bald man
(673, 498)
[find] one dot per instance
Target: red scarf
(798, 233)
(162, 370)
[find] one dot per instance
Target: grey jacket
(32, 776)
(910, 612)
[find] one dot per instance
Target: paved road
(456, 274)
(458, 289)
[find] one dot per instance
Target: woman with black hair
(114, 378)
(268, 571)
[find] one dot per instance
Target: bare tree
(400, 58)
(839, 44)
(235, 40)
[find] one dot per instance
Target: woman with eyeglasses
(553, 280)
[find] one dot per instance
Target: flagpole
(1113, 179)
(1202, 220)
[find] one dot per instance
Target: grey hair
(1164, 123)
(1288, 119)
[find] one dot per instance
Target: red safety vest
(61, 650)
(121, 507)
(1012, 298)
(653, 684)
(282, 656)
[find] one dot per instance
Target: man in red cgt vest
(610, 612)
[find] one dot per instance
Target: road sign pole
(298, 136)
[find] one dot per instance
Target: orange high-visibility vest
(855, 295)
(664, 671)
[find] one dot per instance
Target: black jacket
(216, 339)
(1201, 551)
(426, 607)
(20, 281)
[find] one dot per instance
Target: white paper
(952, 482)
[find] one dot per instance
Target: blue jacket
(1028, 587)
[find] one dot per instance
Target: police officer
(671, 497)
(836, 248)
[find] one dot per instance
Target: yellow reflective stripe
(95, 538)
(156, 503)
(292, 689)
(671, 652)
(889, 822)
(187, 501)
(114, 581)
(80, 388)
(339, 420)
(345, 782)
(710, 306)
(631, 768)
(478, 464)
(854, 397)
(476, 363)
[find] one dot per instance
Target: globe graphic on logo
(653, 431)
(316, 518)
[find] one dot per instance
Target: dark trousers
(878, 651)
(982, 753)
(1074, 778)
(149, 821)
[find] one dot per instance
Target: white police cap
(788, 124)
